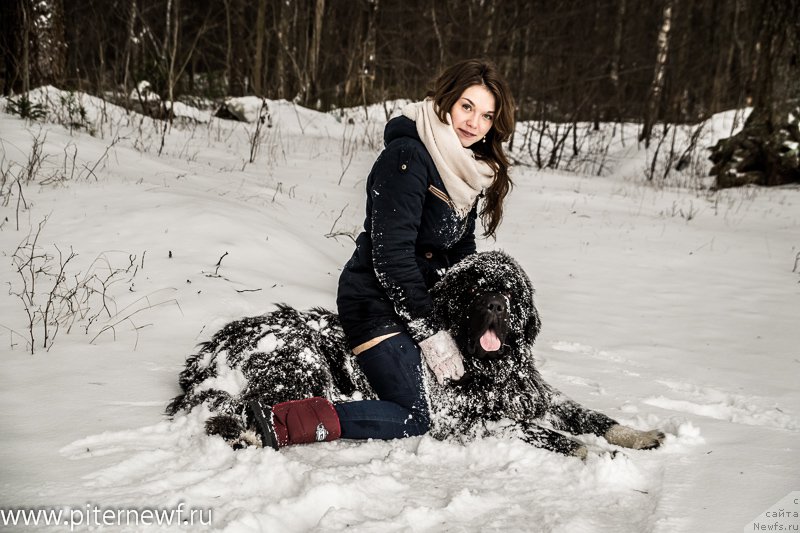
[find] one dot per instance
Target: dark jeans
(393, 369)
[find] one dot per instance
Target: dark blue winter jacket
(412, 233)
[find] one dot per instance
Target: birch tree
(657, 86)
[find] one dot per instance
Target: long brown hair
(447, 89)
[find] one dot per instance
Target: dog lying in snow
(485, 301)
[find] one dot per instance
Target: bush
(73, 115)
(24, 108)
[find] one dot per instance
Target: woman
(441, 156)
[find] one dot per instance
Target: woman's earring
(484, 139)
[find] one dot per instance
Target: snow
(664, 307)
(144, 92)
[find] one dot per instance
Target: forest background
(569, 61)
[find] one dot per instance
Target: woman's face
(473, 114)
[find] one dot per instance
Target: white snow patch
(228, 379)
(269, 343)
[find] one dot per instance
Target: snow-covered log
(763, 153)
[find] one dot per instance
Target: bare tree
(236, 37)
(657, 86)
(130, 46)
(13, 39)
(616, 52)
(171, 47)
(369, 52)
(758, 153)
(313, 52)
(673, 62)
(258, 58)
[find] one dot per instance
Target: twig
(334, 234)
(128, 317)
(102, 158)
(341, 234)
(21, 197)
(13, 332)
(337, 218)
(219, 264)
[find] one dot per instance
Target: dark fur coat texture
(288, 354)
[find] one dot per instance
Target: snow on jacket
(412, 233)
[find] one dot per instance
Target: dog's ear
(533, 323)
(532, 326)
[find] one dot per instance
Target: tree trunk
(781, 38)
(438, 34)
(173, 52)
(724, 50)
(353, 70)
(57, 51)
(616, 53)
(765, 151)
(282, 32)
(313, 52)
(167, 33)
(487, 40)
(13, 36)
(369, 53)
(657, 86)
(235, 50)
(129, 46)
(258, 61)
(27, 36)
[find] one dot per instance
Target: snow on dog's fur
(485, 301)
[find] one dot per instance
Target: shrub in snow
(23, 107)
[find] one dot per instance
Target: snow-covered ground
(663, 307)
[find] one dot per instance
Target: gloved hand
(442, 356)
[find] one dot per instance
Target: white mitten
(442, 356)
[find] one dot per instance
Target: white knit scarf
(464, 176)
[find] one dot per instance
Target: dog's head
(486, 301)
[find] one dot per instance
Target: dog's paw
(246, 439)
(226, 426)
(634, 438)
(231, 429)
(581, 452)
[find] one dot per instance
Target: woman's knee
(420, 418)
(393, 369)
(419, 427)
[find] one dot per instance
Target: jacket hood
(398, 127)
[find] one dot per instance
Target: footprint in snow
(720, 405)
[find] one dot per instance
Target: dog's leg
(552, 440)
(633, 438)
(566, 415)
(572, 417)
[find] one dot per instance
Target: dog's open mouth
(489, 341)
(487, 325)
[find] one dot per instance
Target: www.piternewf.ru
(92, 515)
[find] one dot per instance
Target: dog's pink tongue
(489, 341)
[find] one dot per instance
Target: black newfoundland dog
(486, 301)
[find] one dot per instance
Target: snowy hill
(664, 307)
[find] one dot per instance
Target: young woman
(441, 156)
